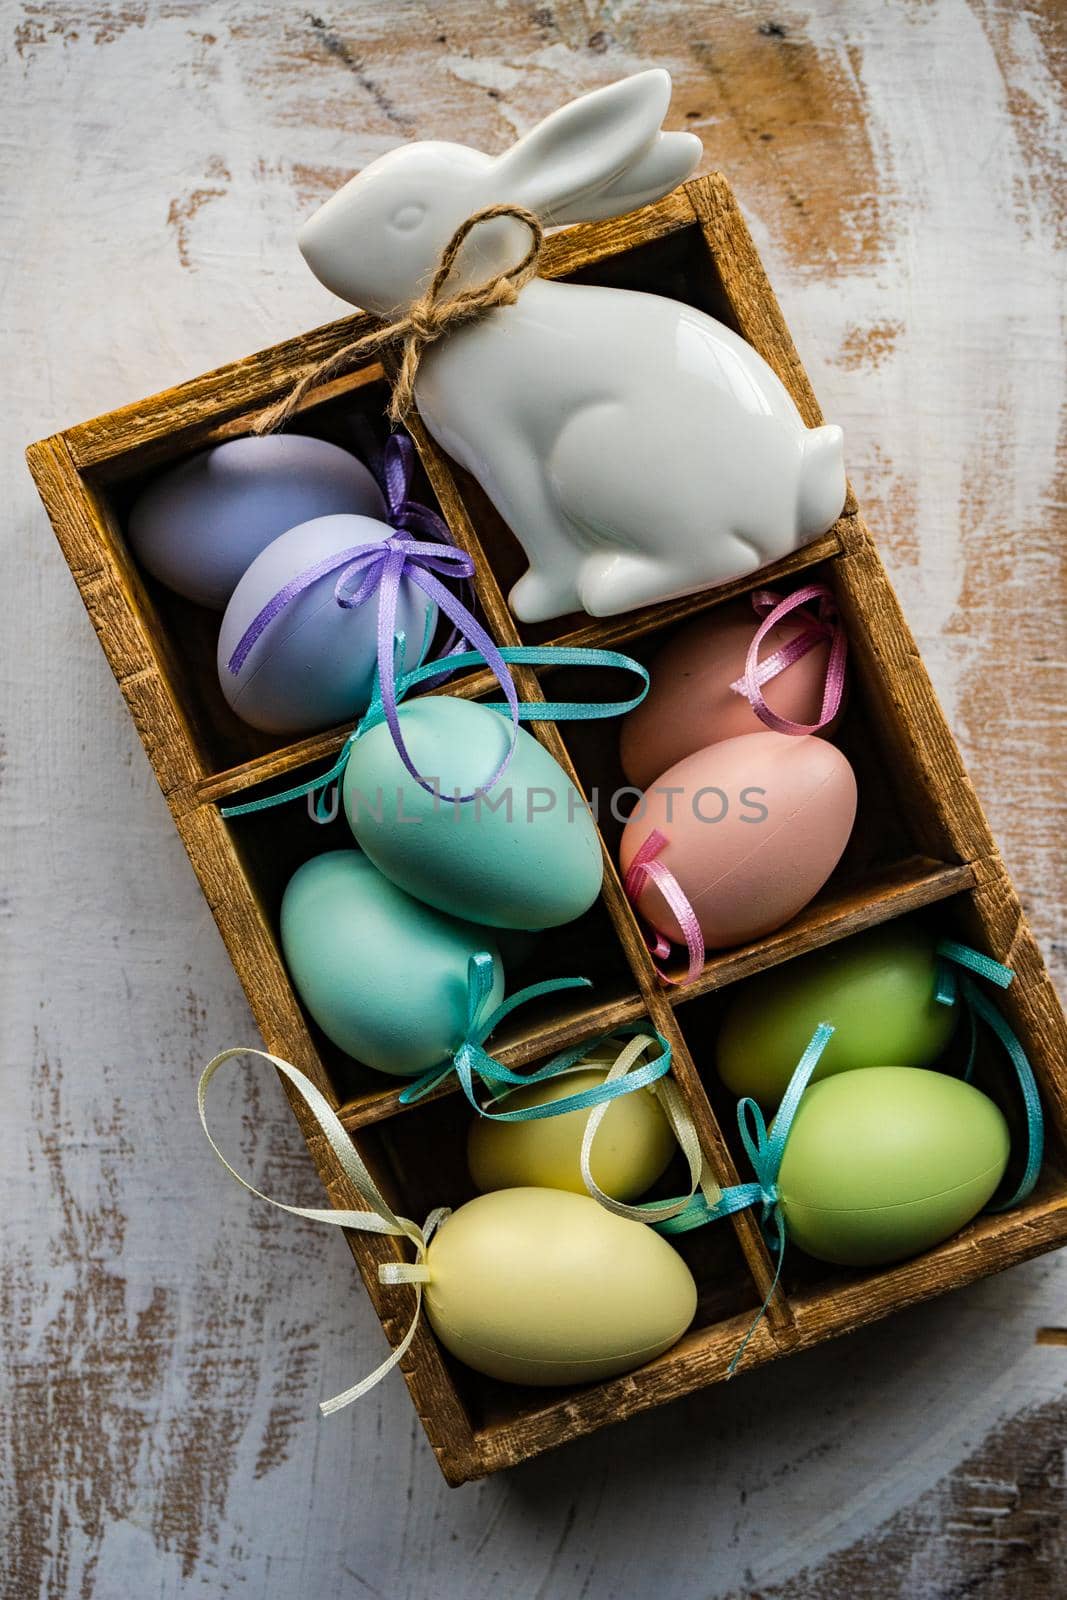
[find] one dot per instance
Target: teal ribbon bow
(765, 1149)
(955, 964)
(526, 710)
(471, 1060)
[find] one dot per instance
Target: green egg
(525, 855)
(384, 976)
(886, 1163)
(878, 990)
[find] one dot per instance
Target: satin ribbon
(526, 711)
(381, 568)
(774, 609)
(825, 625)
(379, 1218)
(645, 868)
(765, 1151)
(393, 465)
(955, 964)
(681, 1125)
(627, 1076)
(471, 1060)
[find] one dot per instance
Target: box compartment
(921, 843)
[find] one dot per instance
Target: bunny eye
(408, 218)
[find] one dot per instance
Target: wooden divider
(82, 474)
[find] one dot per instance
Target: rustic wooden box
(921, 841)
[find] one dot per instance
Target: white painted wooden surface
(165, 1341)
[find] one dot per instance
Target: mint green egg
(879, 991)
(384, 976)
(886, 1163)
(524, 855)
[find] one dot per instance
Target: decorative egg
(197, 527)
(885, 1163)
(383, 975)
(879, 991)
(754, 827)
(540, 1286)
(313, 664)
(632, 1148)
(690, 703)
(525, 855)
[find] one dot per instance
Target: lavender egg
(197, 527)
(313, 664)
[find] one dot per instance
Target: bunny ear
(667, 162)
(600, 155)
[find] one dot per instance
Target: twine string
(427, 319)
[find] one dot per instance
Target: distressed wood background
(165, 1339)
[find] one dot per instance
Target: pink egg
(691, 705)
(754, 827)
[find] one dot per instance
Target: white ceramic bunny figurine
(637, 448)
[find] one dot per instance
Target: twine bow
(427, 319)
(818, 627)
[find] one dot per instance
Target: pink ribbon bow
(644, 868)
(825, 625)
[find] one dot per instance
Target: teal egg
(524, 855)
(384, 976)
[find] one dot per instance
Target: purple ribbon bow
(381, 567)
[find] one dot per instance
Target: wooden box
(921, 844)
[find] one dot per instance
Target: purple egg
(313, 664)
(199, 526)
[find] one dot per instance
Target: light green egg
(525, 855)
(384, 976)
(885, 1163)
(878, 990)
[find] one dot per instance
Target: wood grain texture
(180, 1336)
(892, 711)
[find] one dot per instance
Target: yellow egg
(633, 1144)
(540, 1286)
